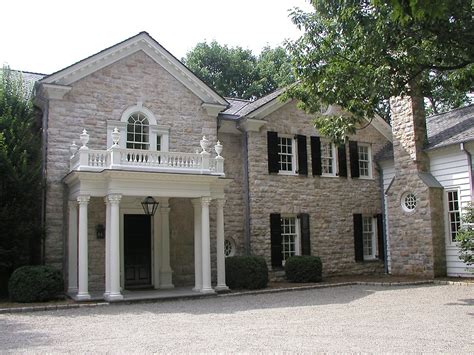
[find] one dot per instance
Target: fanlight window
(138, 132)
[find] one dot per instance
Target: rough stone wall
(96, 246)
(417, 237)
(234, 207)
(329, 201)
(182, 241)
(103, 96)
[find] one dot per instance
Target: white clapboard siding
(388, 172)
(450, 167)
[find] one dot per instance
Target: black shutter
(272, 146)
(316, 156)
(341, 157)
(305, 234)
(358, 238)
(354, 156)
(302, 155)
(380, 236)
(275, 236)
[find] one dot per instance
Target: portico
(122, 192)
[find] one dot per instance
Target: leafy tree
(359, 53)
(465, 237)
(20, 176)
(238, 73)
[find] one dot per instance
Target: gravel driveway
(341, 319)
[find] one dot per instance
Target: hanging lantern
(149, 206)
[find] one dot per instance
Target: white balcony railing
(85, 159)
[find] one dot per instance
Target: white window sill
(329, 175)
(366, 178)
(288, 173)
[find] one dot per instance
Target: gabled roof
(453, 127)
(144, 42)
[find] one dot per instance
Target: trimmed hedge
(304, 268)
(35, 284)
(249, 272)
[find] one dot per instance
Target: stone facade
(329, 201)
(416, 237)
(101, 96)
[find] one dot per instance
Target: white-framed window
(287, 154)
(229, 247)
(369, 233)
(328, 158)
(138, 131)
(454, 214)
(290, 237)
(409, 202)
(365, 160)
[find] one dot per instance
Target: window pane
(454, 214)
(285, 153)
(288, 229)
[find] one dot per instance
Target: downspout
(469, 165)
(245, 158)
(384, 234)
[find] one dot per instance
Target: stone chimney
(414, 198)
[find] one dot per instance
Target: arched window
(138, 131)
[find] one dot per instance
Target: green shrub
(35, 284)
(249, 272)
(304, 268)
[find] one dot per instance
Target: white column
(83, 291)
(107, 247)
(197, 245)
(165, 270)
(221, 285)
(114, 292)
(156, 233)
(206, 246)
(72, 248)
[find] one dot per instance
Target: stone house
(131, 128)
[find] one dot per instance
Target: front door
(137, 250)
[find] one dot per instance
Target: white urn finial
(84, 139)
(73, 148)
(116, 136)
(218, 148)
(205, 143)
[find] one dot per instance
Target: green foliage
(35, 284)
(465, 237)
(249, 272)
(236, 72)
(357, 55)
(20, 176)
(304, 268)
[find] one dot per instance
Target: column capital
(164, 210)
(221, 202)
(205, 201)
(72, 203)
(83, 199)
(196, 202)
(114, 198)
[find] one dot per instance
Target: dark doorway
(137, 250)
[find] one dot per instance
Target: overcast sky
(47, 35)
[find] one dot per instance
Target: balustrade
(85, 159)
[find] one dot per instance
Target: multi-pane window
(138, 131)
(364, 161)
(328, 162)
(158, 143)
(368, 237)
(289, 237)
(286, 154)
(454, 214)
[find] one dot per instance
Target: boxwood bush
(303, 268)
(35, 284)
(249, 272)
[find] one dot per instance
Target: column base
(166, 286)
(197, 289)
(85, 296)
(111, 297)
(72, 290)
(207, 290)
(222, 289)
